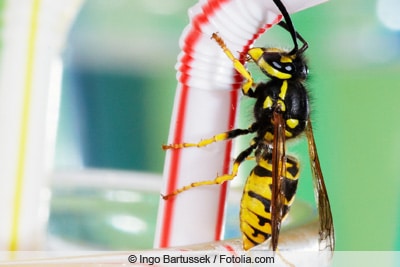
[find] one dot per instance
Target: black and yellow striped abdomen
(255, 212)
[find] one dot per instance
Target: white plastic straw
(205, 104)
(298, 246)
(33, 32)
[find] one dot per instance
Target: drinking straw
(299, 246)
(32, 35)
(205, 104)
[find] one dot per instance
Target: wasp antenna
(305, 44)
(289, 26)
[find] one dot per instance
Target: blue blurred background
(117, 97)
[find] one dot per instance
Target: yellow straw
(19, 179)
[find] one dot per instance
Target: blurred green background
(119, 83)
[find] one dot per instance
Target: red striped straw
(205, 104)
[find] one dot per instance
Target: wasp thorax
(277, 63)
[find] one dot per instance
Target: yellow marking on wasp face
(272, 71)
(286, 59)
(256, 53)
(267, 103)
(284, 87)
(292, 123)
(288, 134)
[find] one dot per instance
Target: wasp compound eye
(289, 68)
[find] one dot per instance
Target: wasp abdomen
(255, 215)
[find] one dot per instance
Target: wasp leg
(216, 138)
(239, 67)
(220, 179)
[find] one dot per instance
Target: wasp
(281, 112)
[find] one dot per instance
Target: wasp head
(280, 64)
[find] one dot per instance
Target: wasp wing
(326, 230)
(278, 172)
